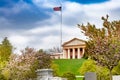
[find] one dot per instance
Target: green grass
(79, 78)
(69, 65)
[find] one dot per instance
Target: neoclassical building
(72, 49)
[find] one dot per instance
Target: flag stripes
(57, 8)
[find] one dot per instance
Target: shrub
(55, 68)
(69, 76)
(1, 76)
(90, 66)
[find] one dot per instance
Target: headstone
(47, 74)
(90, 76)
(56, 78)
(116, 77)
(44, 74)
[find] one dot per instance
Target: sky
(34, 23)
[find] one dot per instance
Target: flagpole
(61, 25)
(61, 28)
(60, 22)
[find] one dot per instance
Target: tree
(90, 66)
(55, 50)
(104, 44)
(23, 67)
(55, 68)
(116, 70)
(5, 49)
(5, 52)
(44, 60)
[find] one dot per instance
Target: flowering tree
(23, 67)
(104, 44)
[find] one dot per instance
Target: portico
(73, 49)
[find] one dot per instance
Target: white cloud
(46, 34)
(75, 12)
(19, 40)
(16, 8)
(46, 3)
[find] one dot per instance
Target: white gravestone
(47, 74)
(116, 77)
(90, 76)
(44, 74)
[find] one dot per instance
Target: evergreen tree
(5, 50)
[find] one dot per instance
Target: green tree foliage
(23, 67)
(55, 68)
(116, 70)
(44, 60)
(69, 76)
(90, 66)
(2, 77)
(104, 43)
(5, 52)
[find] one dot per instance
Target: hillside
(69, 65)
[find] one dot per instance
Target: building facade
(73, 49)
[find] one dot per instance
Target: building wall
(73, 49)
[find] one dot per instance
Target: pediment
(74, 42)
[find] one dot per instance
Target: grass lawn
(69, 65)
(79, 78)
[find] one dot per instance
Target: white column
(73, 53)
(64, 54)
(78, 53)
(68, 53)
(83, 52)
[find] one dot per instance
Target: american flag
(57, 8)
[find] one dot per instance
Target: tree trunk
(110, 74)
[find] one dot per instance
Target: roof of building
(74, 41)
